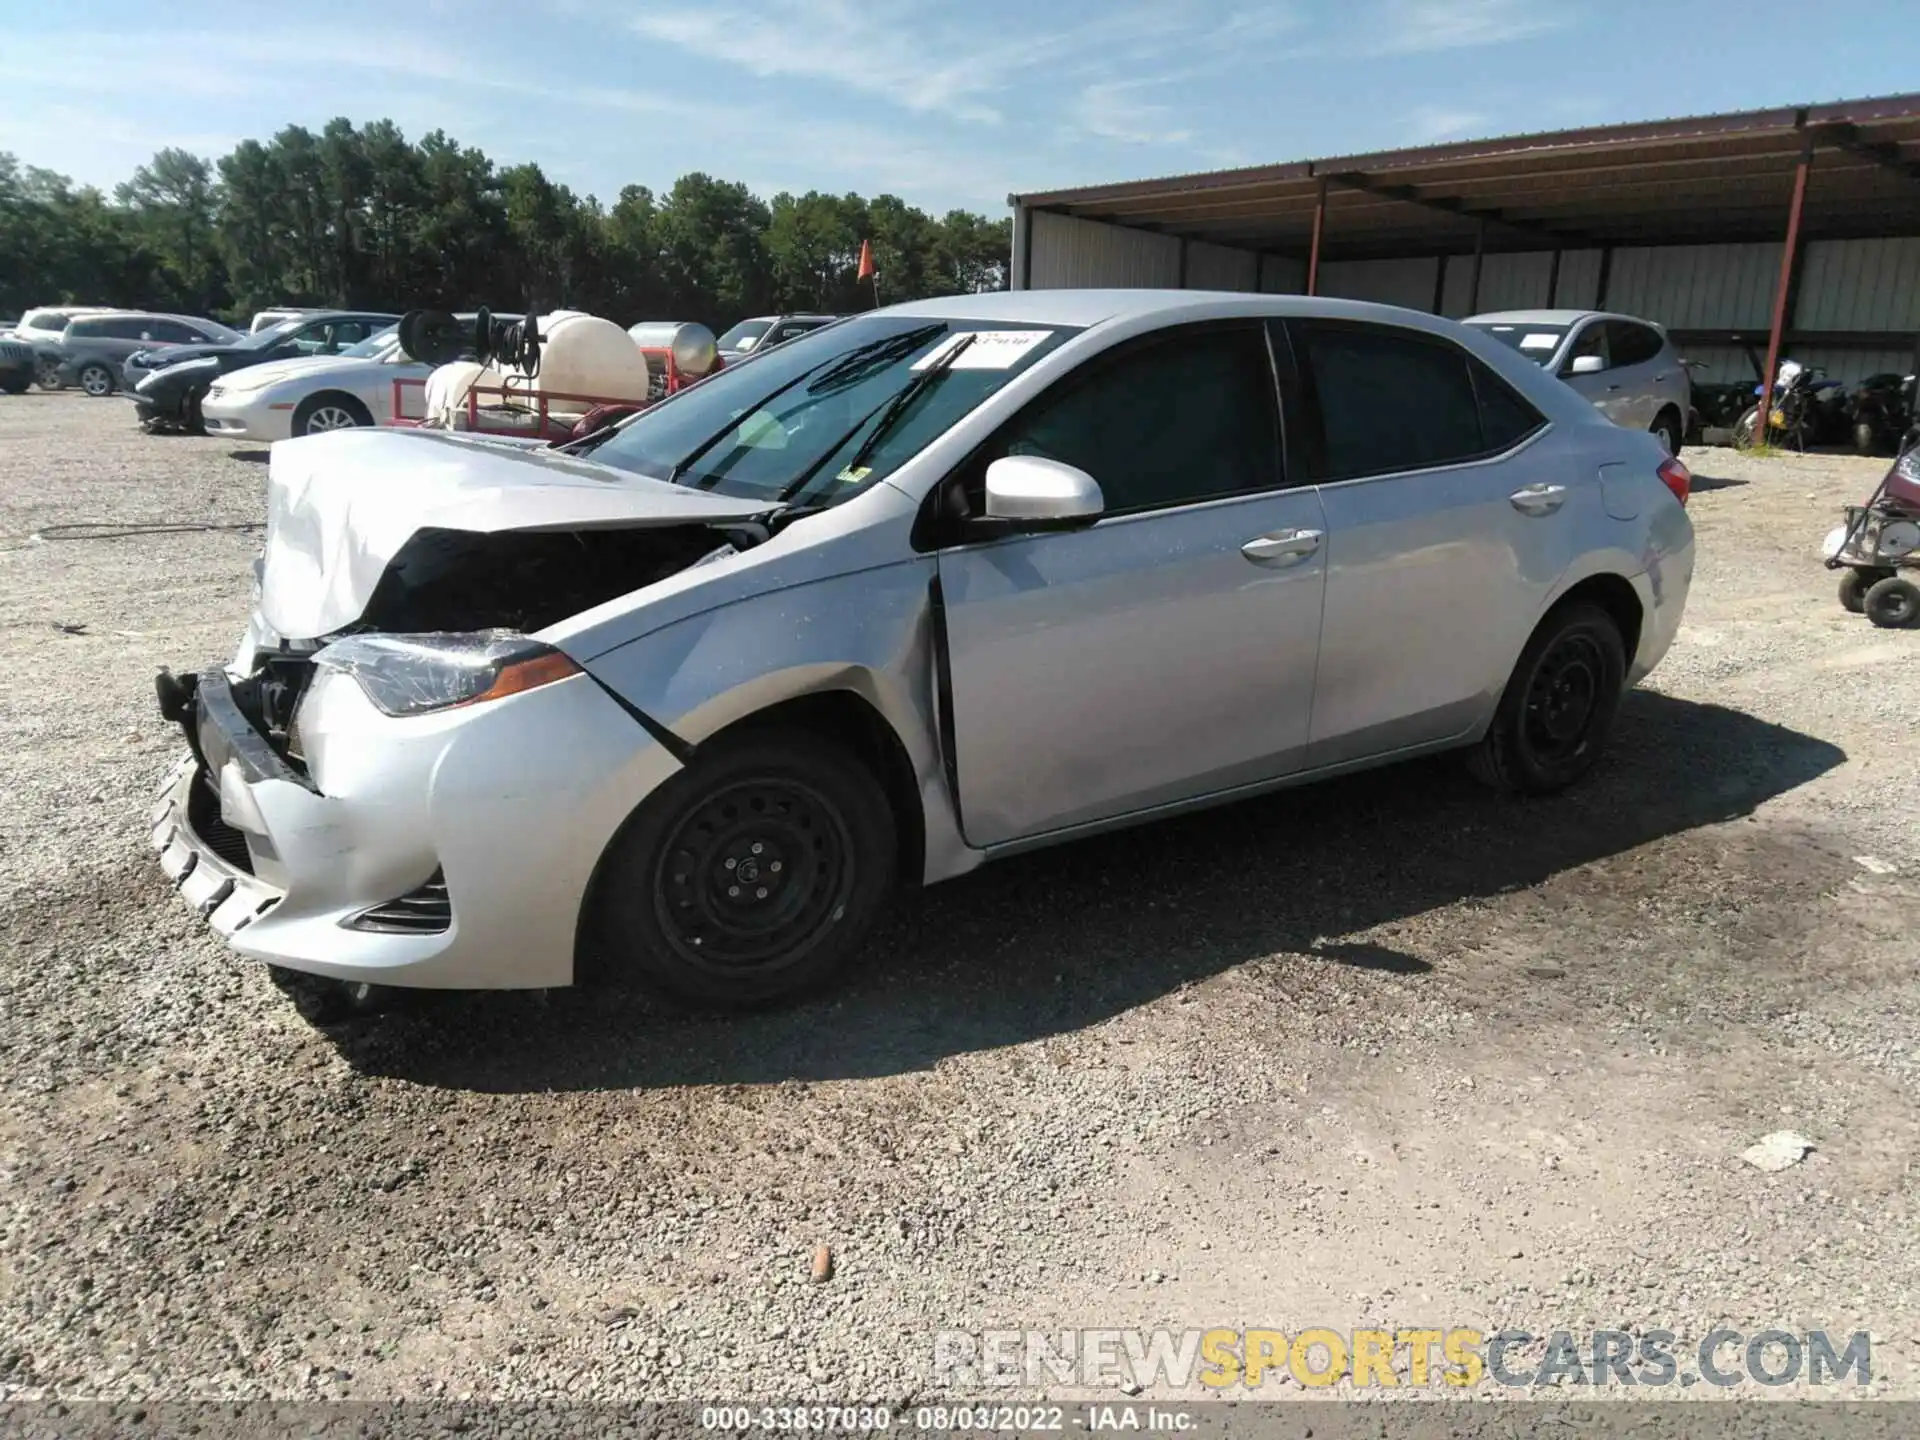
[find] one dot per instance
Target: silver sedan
(925, 589)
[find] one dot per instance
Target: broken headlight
(414, 674)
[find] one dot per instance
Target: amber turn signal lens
(528, 674)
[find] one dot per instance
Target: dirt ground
(1386, 1051)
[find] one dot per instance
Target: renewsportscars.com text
(1458, 1357)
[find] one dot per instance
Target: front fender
(872, 633)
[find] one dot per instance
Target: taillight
(1676, 477)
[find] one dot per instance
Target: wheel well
(340, 397)
(848, 720)
(1617, 597)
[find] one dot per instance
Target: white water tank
(585, 355)
(695, 351)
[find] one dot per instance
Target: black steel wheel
(751, 876)
(1893, 603)
(1559, 706)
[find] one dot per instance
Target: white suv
(1628, 368)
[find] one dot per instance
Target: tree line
(362, 217)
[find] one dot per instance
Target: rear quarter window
(1385, 400)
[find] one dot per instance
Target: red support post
(1319, 225)
(1788, 254)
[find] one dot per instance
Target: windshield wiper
(841, 365)
(889, 413)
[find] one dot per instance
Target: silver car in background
(1627, 367)
(929, 588)
(94, 348)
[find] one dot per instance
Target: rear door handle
(1538, 499)
(1282, 547)
(1613, 387)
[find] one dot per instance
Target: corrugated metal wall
(1282, 275)
(1069, 252)
(1696, 287)
(1218, 267)
(1388, 282)
(1860, 285)
(1856, 285)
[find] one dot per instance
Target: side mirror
(1033, 490)
(1586, 365)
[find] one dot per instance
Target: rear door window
(1381, 399)
(1631, 344)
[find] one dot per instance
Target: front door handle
(1613, 387)
(1282, 547)
(1538, 499)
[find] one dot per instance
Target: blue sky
(943, 103)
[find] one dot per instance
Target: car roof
(1552, 317)
(1085, 308)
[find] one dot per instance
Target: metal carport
(1799, 227)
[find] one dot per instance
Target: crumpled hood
(340, 507)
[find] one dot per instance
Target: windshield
(1536, 342)
(743, 335)
(375, 345)
(792, 425)
(271, 336)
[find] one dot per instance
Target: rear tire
(1745, 429)
(1893, 604)
(750, 877)
(15, 384)
(1866, 440)
(1666, 429)
(46, 373)
(191, 420)
(1558, 709)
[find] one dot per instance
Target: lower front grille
(203, 814)
(425, 911)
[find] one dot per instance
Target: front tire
(752, 876)
(1559, 706)
(331, 411)
(1893, 604)
(1866, 439)
(15, 384)
(96, 380)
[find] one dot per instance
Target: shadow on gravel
(1062, 939)
(1715, 482)
(251, 457)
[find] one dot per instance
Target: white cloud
(1113, 110)
(872, 47)
(1414, 27)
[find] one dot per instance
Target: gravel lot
(1383, 1052)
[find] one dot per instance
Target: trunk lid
(342, 506)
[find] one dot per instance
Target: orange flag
(866, 261)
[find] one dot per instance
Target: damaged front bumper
(449, 851)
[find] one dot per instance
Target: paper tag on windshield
(990, 350)
(1543, 341)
